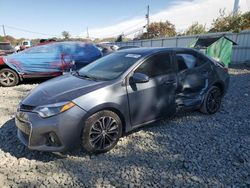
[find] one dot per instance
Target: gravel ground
(191, 150)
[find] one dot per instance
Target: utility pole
(87, 32)
(236, 7)
(4, 30)
(147, 16)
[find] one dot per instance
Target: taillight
(1, 61)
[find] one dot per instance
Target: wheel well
(4, 66)
(220, 86)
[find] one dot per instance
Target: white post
(236, 7)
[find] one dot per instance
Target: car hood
(61, 89)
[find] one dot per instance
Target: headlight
(53, 109)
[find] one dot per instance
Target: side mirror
(139, 78)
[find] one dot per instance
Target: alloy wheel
(103, 133)
(7, 78)
(214, 100)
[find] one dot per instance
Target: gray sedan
(96, 105)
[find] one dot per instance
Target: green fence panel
(221, 50)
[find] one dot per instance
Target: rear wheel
(212, 101)
(101, 132)
(8, 77)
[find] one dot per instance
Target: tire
(8, 77)
(101, 132)
(212, 101)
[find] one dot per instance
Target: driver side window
(157, 65)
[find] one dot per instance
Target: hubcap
(104, 132)
(7, 78)
(214, 100)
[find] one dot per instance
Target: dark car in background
(120, 92)
(106, 48)
(6, 49)
(48, 60)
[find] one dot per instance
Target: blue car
(47, 60)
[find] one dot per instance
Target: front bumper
(55, 134)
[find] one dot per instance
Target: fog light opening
(53, 139)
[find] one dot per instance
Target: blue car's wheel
(8, 77)
(101, 132)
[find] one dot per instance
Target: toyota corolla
(96, 105)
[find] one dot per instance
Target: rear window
(86, 49)
(5, 47)
(81, 50)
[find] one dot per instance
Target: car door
(194, 73)
(155, 98)
(39, 59)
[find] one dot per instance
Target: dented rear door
(194, 76)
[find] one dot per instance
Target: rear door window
(185, 61)
(189, 60)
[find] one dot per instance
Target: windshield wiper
(76, 73)
(83, 76)
(88, 77)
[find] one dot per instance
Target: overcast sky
(107, 18)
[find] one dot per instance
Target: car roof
(68, 43)
(151, 50)
(130, 47)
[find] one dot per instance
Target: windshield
(110, 66)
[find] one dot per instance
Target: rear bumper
(55, 134)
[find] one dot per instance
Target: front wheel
(8, 77)
(212, 101)
(101, 132)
